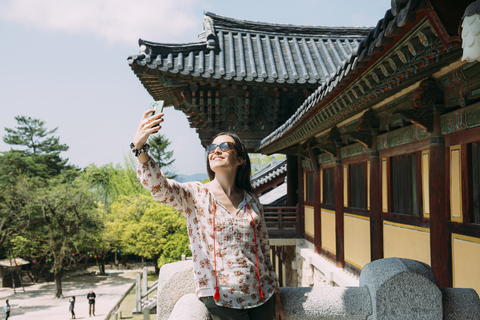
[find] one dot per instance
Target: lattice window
(358, 192)
(328, 195)
(404, 184)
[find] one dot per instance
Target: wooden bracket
(420, 117)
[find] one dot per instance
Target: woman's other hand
(145, 129)
(279, 313)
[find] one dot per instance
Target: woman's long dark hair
(242, 178)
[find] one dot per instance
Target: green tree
(158, 151)
(32, 134)
(39, 153)
(258, 160)
(70, 221)
(148, 229)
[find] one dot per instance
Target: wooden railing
(282, 222)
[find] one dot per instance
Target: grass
(128, 304)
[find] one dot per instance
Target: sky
(65, 62)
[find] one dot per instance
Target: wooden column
(338, 196)
(439, 237)
(376, 227)
(301, 223)
(317, 211)
(292, 181)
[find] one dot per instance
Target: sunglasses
(224, 147)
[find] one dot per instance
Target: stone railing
(389, 289)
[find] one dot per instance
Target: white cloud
(113, 21)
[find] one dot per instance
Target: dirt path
(38, 302)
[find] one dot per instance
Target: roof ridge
(222, 22)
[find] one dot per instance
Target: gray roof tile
(248, 50)
(357, 55)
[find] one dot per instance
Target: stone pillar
(145, 281)
(402, 289)
(146, 314)
(138, 295)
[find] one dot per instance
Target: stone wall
(390, 289)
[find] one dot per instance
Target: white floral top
(234, 240)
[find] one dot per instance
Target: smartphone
(158, 107)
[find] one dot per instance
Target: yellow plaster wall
(466, 262)
(456, 184)
(384, 186)
(328, 230)
(426, 183)
(368, 185)
(321, 186)
(404, 241)
(345, 186)
(309, 221)
(357, 240)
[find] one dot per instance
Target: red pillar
(301, 223)
(439, 237)
(292, 181)
(376, 227)
(338, 194)
(317, 211)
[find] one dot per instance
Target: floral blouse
(236, 258)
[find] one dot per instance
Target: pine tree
(158, 151)
(38, 155)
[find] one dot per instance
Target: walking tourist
(6, 309)
(234, 275)
(91, 303)
(72, 306)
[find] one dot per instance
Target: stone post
(138, 304)
(146, 313)
(145, 281)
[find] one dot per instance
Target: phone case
(158, 107)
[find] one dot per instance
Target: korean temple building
(380, 128)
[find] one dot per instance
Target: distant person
(6, 309)
(72, 306)
(91, 303)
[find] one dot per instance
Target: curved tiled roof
(391, 25)
(269, 172)
(255, 51)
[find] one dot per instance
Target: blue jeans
(263, 312)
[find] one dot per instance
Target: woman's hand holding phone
(150, 123)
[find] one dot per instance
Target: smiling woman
(234, 275)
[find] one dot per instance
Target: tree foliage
(37, 153)
(158, 151)
(50, 209)
(62, 218)
(258, 160)
(143, 227)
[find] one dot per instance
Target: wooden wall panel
(466, 262)
(426, 183)
(384, 185)
(309, 221)
(345, 185)
(405, 241)
(328, 230)
(357, 240)
(456, 212)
